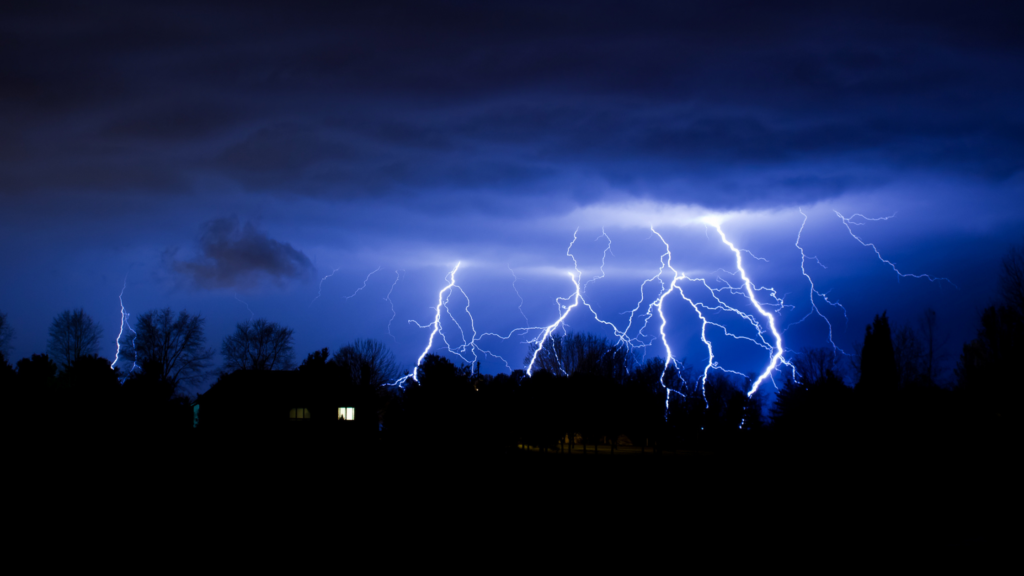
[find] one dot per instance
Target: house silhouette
(287, 405)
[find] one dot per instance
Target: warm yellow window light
(298, 414)
(346, 413)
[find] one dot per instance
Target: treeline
(584, 392)
(896, 403)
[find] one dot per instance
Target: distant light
(346, 413)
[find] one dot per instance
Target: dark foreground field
(251, 506)
(399, 489)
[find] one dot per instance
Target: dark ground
(393, 489)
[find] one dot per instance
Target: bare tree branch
(581, 353)
(177, 344)
(369, 362)
(813, 364)
(258, 345)
(73, 334)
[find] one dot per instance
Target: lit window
(298, 414)
(347, 413)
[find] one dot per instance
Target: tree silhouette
(315, 362)
(438, 406)
(7, 373)
(258, 345)
(6, 335)
(581, 353)
(908, 352)
(813, 363)
(148, 385)
(989, 366)
(33, 385)
(73, 334)
(176, 344)
(813, 410)
(932, 352)
(369, 363)
(37, 371)
(879, 373)
(644, 408)
(152, 406)
(546, 409)
(90, 377)
(499, 410)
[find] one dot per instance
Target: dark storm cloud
(238, 256)
(411, 135)
(752, 100)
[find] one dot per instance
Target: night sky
(224, 158)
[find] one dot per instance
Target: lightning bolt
(365, 280)
(754, 256)
(468, 350)
(124, 322)
(552, 327)
(120, 296)
(659, 303)
(654, 307)
(604, 255)
(470, 343)
(670, 361)
(650, 308)
(814, 291)
(320, 288)
(848, 221)
(776, 357)
(251, 313)
(389, 301)
(521, 301)
(435, 325)
(577, 299)
(710, 301)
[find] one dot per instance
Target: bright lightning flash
(763, 321)
(124, 323)
(776, 357)
(435, 325)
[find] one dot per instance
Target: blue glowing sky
(227, 157)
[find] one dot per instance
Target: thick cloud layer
(724, 104)
(233, 256)
(409, 136)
